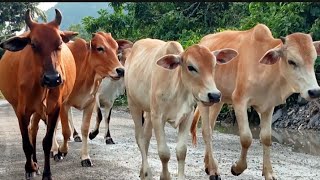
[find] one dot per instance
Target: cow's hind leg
(87, 113)
(75, 134)
(30, 166)
(163, 150)
(265, 136)
(33, 131)
(47, 142)
(240, 108)
(181, 149)
(99, 118)
(209, 117)
(107, 136)
(66, 131)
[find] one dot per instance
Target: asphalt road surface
(123, 160)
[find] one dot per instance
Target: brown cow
(95, 60)
(165, 81)
(265, 73)
(108, 91)
(37, 76)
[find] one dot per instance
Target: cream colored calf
(165, 81)
(265, 73)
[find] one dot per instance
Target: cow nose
(120, 72)
(214, 97)
(51, 80)
(314, 93)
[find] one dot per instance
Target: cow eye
(100, 49)
(191, 68)
(292, 63)
(33, 46)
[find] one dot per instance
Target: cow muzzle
(51, 80)
(119, 72)
(314, 93)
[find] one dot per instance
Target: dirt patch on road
(122, 160)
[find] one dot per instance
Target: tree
(12, 17)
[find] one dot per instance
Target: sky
(46, 5)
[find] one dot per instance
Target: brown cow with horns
(37, 75)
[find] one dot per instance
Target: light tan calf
(94, 61)
(265, 73)
(165, 81)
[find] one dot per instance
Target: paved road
(122, 160)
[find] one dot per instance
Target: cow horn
(28, 19)
(283, 39)
(58, 18)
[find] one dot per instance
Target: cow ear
(170, 61)
(16, 43)
(68, 35)
(317, 46)
(224, 56)
(124, 44)
(272, 56)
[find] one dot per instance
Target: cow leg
(181, 149)
(33, 131)
(75, 135)
(55, 146)
(240, 108)
(99, 118)
(265, 136)
(87, 113)
(66, 131)
(47, 142)
(30, 166)
(107, 136)
(209, 117)
(163, 150)
(147, 128)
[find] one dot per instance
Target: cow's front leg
(181, 149)
(209, 116)
(265, 137)
(33, 131)
(158, 124)
(87, 113)
(47, 142)
(240, 108)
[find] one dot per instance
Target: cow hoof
(30, 175)
(215, 177)
(234, 173)
(207, 171)
(109, 141)
(86, 163)
(77, 138)
(57, 157)
(93, 134)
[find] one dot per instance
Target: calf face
(104, 56)
(197, 70)
(298, 55)
(45, 41)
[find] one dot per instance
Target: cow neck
(85, 70)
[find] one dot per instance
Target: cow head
(104, 58)
(197, 70)
(45, 42)
(124, 50)
(297, 56)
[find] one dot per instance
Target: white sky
(46, 5)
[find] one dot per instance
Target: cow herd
(43, 73)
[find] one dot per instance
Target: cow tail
(193, 128)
